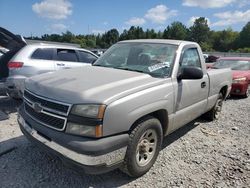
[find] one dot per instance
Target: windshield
(149, 58)
(233, 64)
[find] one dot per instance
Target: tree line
(226, 40)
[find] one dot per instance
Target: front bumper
(239, 88)
(15, 86)
(97, 156)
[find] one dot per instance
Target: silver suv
(36, 59)
(25, 60)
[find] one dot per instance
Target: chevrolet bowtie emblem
(37, 107)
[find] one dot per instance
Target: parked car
(34, 59)
(41, 58)
(116, 112)
(98, 52)
(13, 44)
(210, 60)
(241, 73)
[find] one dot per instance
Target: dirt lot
(202, 154)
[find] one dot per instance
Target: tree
(90, 41)
(199, 32)
(124, 35)
(176, 31)
(110, 38)
(67, 37)
(244, 38)
(135, 33)
(224, 40)
(150, 34)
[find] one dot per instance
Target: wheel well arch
(161, 115)
(223, 90)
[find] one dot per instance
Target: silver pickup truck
(115, 113)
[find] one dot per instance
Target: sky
(38, 17)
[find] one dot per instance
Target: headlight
(84, 130)
(238, 80)
(89, 110)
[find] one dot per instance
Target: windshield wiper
(136, 70)
(99, 65)
(129, 69)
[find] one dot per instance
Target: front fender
(121, 114)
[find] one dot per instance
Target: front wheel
(143, 148)
(215, 112)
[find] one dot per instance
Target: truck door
(191, 95)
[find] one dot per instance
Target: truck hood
(90, 84)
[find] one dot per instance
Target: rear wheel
(215, 112)
(144, 146)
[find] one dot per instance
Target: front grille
(55, 106)
(50, 113)
(48, 120)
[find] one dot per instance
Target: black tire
(133, 165)
(214, 113)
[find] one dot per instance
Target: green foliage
(243, 50)
(176, 31)
(136, 33)
(206, 47)
(224, 41)
(200, 31)
(110, 38)
(244, 38)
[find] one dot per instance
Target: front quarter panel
(123, 113)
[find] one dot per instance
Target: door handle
(203, 84)
(60, 64)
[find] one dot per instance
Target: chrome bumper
(108, 159)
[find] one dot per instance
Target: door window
(66, 55)
(191, 58)
(86, 57)
(43, 53)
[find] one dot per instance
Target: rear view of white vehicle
(22, 60)
(36, 59)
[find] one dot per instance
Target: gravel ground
(201, 154)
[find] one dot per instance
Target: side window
(86, 57)
(191, 58)
(43, 53)
(66, 55)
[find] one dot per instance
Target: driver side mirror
(190, 73)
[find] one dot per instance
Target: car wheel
(144, 145)
(215, 112)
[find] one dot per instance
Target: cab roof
(162, 41)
